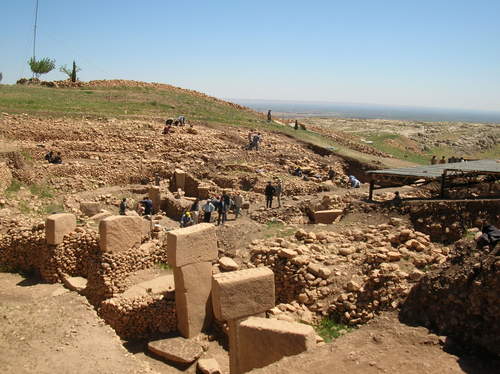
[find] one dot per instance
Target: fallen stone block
(192, 244)
(179, 350)
(263, 341)
(319, 271)
(242, 293)
(327, 216)
(77, 284)
(192, 298)
(228, 264)
(90, 208)
(117, 233)
(59, 225)
(209, 366)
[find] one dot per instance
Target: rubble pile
(143, 317)
(460, 299)
(354, 274)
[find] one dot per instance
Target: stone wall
(5, 177)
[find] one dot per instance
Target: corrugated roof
(435, 171)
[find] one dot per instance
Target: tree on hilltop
(70, 73)
(1, 76)
(43, 66)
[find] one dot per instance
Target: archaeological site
(225, 243)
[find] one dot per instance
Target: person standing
(269, 192)
(269, 117)
(208, 208)
(296, 126)
(221, 211)
(157, 179)
(238, 203)
(148, 206)
(123, 206)
(278, 190)
(195, 211)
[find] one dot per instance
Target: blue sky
(436, 53)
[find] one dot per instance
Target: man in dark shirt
(148, 206)
(269, 192)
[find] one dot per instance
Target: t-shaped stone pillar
(239, 294)
(190, 251)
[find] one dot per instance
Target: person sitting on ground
(186, 219)
(397, 199)
(297, 172)
(238, 203)
(49, 156)
(182, 120)
(167, 129)
(123, 206)
(208, 208)
(442, 161)
(147, 203)
(354, 182)
(269, 192)
(169, 122)
(195, 210)
(490, 236)
(255, 142)
(434, 160)
(56, 159)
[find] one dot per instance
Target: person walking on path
(269, 192)
(238, 203)
(123, 206)
(278, 190)
(208, 208)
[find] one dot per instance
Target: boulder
(228, 264)
(209, 366)
(90, 208)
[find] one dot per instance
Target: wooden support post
(443, 184)
(370, 194)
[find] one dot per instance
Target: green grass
(329, 329)
(380, 143)
(14, 187)
(164, 266)
(43, 191)
(52, 207)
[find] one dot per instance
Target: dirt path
(46, 329)
(383, 346)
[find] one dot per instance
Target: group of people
(53, 158)
(273, 190)
(143, 208)
(180, 121)
(443, 160)
(254, 140)
(222, 204)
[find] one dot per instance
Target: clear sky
(437, 53)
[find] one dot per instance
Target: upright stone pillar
(57, 226)
(180, 179)
(190, 252)
(155, 196)
(239, 294)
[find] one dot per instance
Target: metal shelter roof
(435, 171)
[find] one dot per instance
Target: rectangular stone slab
(57, 226)
(192, 244)
(262, 341)
(118, 233)
(242, 293)
(327, 216)
(192, 298)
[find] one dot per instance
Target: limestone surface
(183, 351)
(242, 293)
(209, 366)
(118, 233)
(192, 244)
(59, 225)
